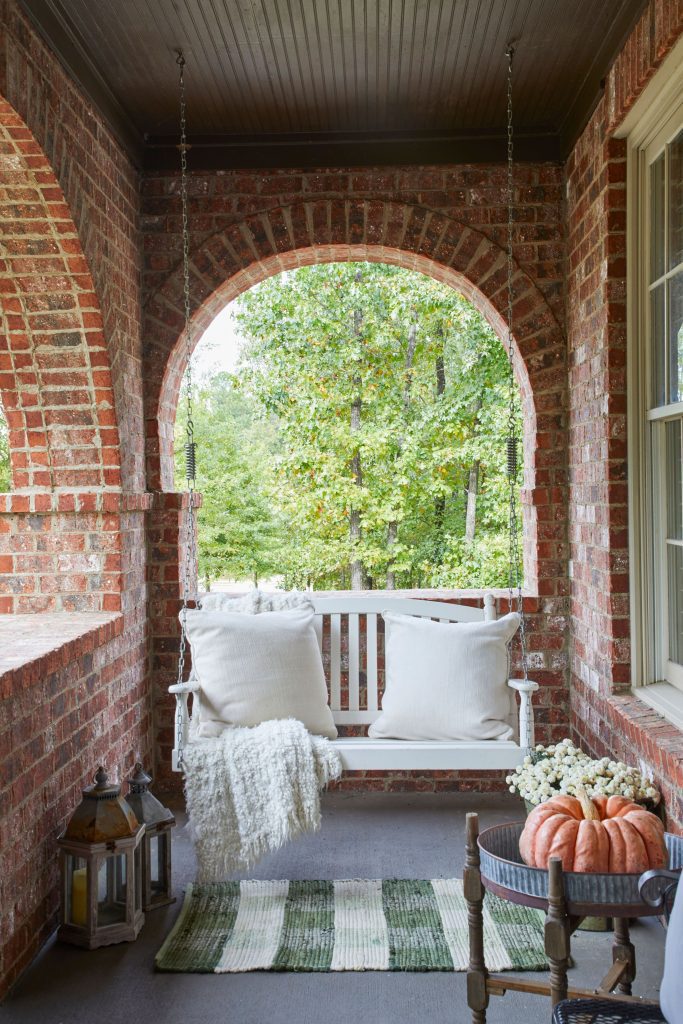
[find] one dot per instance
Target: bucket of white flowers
(563, 768)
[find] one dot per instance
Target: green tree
(239, 533)
(390, 392)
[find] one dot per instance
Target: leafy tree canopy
(361, 440)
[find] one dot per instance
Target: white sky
(219, 346)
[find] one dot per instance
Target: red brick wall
(100, 188)
(55, 380)
(72, 534)
(606, 720)
(447, 222)
(60, 716)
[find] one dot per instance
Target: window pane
(674, 492)
(657, 218)
(658, 344)
(676, 202)
(675, 571)
(675, 286)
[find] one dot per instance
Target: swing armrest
(523, 685)
(181, 692)
(191, 686)
(525, 688)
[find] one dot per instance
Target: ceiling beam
(351, 149)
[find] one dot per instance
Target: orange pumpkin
(604, 834)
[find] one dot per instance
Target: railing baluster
(371, 660)
(335, 662)
(354, 662)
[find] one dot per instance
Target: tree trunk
(473, 483)
(472, 489)
(355, 529)
(392, 527)
(392, 536)
(440, 501)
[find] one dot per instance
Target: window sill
(664, 698)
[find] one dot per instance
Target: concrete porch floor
(363, 835)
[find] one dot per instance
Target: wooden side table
(566, 899)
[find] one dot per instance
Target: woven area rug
(349, 925)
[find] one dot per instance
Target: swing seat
(354, 696)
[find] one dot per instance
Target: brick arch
(55, 378)
(231, 261)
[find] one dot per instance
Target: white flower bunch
(563, 768)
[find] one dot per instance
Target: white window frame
(659, 105)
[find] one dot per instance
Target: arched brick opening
(233, 260)
(229, 262)
(56, 390)
(56, 381)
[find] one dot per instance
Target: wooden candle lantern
(156, 847)
(101, 869)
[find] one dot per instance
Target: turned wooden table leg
(557, 932)
(477, 992)
(623, 949)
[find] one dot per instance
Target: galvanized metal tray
(614, 895)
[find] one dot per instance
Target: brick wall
(72, 533)
(79, 704)
(100, 189)
(604, 717)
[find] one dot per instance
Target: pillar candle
(79, 896)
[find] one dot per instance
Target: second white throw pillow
(446, 681)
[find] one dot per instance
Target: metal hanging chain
(190, 554)
(515, 576)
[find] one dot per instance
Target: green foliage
(5, 469)
(365, 395)
(238, 532)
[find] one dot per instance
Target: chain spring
(190, 545)
(512, 457)
(512, 446)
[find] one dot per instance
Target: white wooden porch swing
(351, 617)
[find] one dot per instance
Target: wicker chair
(658, 888)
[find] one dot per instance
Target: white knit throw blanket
(250, 791)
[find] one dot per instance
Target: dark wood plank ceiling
(318, 81)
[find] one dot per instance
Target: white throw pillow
(254, 668)
(446, 681)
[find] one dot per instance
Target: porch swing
(357, 704)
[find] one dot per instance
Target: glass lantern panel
(76, 911)
(154, 864)
(111, 890)
(137, 856)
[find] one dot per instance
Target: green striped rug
(349, 925)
